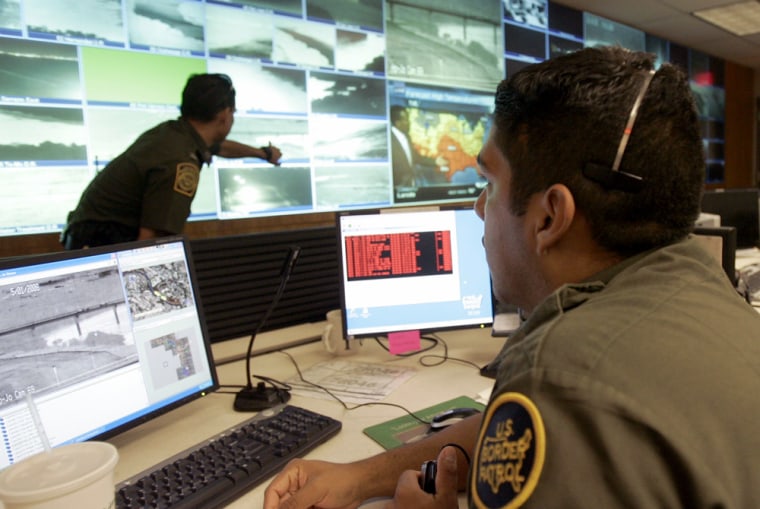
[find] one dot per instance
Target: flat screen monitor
(720, 242)
(739, 208)
(413, 269)
(97, 341)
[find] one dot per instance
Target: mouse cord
(343, 403)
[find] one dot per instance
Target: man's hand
(409, 494)
(305, 484)
(272, 154)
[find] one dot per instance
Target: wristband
(268, 151)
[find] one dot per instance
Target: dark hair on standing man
(563, 120)
(205, 95)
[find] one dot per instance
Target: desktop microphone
(261, 397)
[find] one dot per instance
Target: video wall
(374, 103)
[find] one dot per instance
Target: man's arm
(303, 484)
(233, 150)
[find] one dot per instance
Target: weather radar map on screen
(374, 103)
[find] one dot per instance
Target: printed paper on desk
(352, 382)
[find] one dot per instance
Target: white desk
(171, 433)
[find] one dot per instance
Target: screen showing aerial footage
(323, 80)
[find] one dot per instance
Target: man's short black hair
(205, 95)
(554, 118)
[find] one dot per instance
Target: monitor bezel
(727, 235)
(396, 210)
(57, 256)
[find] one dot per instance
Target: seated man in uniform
(147, 190)
(633, 381)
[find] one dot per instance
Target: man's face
(506, 240)
(227, 119)
(402, 123)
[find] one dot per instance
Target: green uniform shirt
(638, 389)
(152, 184)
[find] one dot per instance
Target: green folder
(407, 429)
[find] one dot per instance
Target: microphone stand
(261, 397)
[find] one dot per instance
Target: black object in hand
(427, 477)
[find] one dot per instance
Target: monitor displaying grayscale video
(173, 24)
(83, 20)
(261, 88)
(111, 130)
(96, 341)
(456, 44)
(10, 17)
(291, 135)
(319, 79)
(358, 185)
(237, 32)
(367, 14)
(347, 95)
(42, 133)
(49, 71)
(250, 191)
(276, 6)
(527, 12)
(348, 139)
(86, 324)
(56, 189)
(303, 43)
(360, 51)
(599, 31)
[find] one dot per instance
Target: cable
(343, 403)
(423, 359)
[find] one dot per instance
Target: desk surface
(179, 429)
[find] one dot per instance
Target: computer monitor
(413, 269)
(720, 242)
(96, 341)
(739, 208)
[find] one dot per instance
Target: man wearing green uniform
(633, 382)
(147, 190)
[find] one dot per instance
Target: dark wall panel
(238, 277)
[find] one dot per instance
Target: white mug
(332, 335)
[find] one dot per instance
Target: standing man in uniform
(633, 382)
(147, 190)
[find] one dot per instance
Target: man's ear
(558, 208)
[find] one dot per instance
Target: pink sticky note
(405, 341)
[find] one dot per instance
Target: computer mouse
(449, 417)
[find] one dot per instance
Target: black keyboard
(219, 470)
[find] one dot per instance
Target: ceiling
(672, 20)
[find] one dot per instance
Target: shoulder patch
(186, 179)
(509, 455)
